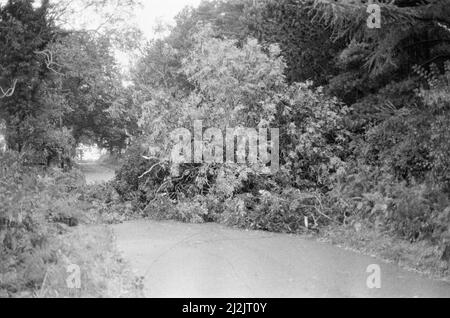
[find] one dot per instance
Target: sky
(153, 11)
(164, 10)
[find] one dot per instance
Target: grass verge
(103, 273)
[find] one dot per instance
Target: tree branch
(9, 92)
(48, 55)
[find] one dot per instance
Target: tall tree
(24, 31)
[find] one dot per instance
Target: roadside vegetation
(363, 117)
(56, 85)
(49, 221)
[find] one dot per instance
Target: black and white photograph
(225, 155)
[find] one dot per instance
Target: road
(96, 172)
(212, 261)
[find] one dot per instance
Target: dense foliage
(38, 212)
(60, 86)
(363, 116)
(32, 204)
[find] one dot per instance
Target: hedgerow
(39, 208)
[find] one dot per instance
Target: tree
(58, 82)
(306, 45)
(90, 87)
(100, 17)
(234, 83)
(411, 32)
(24, 30)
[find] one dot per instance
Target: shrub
(418, 212)
(193, 210)
(37, 206)
(410, 211)
(292, 211)
(127, 177)
(24, 233)
(314, 140)
(411, 141)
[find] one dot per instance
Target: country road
(211, 261)
(96, 172)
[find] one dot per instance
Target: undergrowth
(45, 216)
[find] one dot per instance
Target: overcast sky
(154, 10)
(147, 17)
(165, 10)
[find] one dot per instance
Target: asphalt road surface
(212, 261)
(96, 172)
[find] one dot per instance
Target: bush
(292, 211)
(37, 206)
(401, 144)
(410, 211)
(127, 181)
(314, 141)
(419, 212)
(24, 232)
(193, 210)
